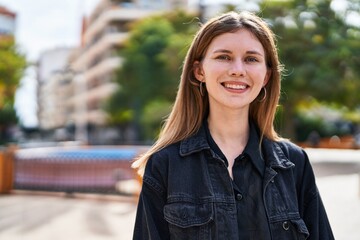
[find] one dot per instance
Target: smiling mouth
(235, 86)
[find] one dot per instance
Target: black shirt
(248, 172)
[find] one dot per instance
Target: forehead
(240, 40)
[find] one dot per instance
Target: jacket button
(286, 225)
(239, 197)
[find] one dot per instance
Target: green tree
(320, 51)
(12, 67)
(150, 72)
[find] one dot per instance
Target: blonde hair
(191, 106)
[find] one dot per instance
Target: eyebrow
(228, 51)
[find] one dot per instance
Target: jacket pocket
(290, 229)
(189, 220)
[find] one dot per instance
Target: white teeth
(234, 86)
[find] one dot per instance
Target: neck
(230, 128)
(230, 131)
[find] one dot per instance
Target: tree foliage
(12, 67)
(320, 51)
(150, 72)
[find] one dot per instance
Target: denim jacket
(187, 194)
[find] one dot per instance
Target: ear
(267, 77)
(198, 71)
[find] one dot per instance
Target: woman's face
(234, 70)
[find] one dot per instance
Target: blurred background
(106, 72)
(86, 84)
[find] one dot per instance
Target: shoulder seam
(153, 184)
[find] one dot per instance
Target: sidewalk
(341, 198)
(338, 178)
(25, 216)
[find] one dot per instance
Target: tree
(12, 67)
(150, 72)
(320, 51)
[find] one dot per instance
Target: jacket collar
(274, 155)
(195, 143)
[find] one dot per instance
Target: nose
(237, 68)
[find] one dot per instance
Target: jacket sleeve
(311, 206)
(150, 222)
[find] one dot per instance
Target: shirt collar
(251, 151)
(274, 155)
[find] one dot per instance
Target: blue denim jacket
(187, 194)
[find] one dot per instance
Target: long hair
(191, 106)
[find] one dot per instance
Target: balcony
(105, 67)
(106, 42)
(114, 14)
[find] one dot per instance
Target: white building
(96, 60)
(75, 83)
(53, 88)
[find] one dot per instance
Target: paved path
(25, 216)
(338, 178)
(53, 216)
(341, 198)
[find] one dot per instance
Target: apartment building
(96, 60)
(53, 87)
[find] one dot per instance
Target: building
(7, 22)
(53, 88)
(96, 60)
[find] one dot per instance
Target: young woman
(219, 170)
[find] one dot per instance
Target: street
(26, 215)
